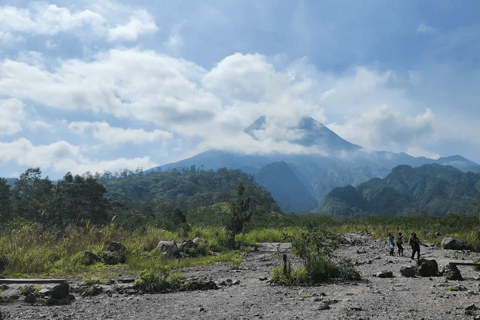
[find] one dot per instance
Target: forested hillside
(427, 190)
(127, 198)
(184, 189)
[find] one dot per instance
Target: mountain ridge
(318, 173)
(433, 188)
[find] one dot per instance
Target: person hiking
(415, 243)
(400, 244)
(391, 243)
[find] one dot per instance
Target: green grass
(33, 250)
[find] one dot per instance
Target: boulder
(189, 244)
(427, 268)
(114, 257)
(453, 244)
(451, 272)
(169, 247)
(116, 246)
(408, 271)
(60, 291)
(91, 257)
(31, 298)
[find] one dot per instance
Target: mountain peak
(308, 123)
(308, 133)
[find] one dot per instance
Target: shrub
(150, 281)
(289, 277)
(316, 248)
(236, 262)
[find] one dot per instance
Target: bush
(316, 248)
(149, 281)
(289, 277)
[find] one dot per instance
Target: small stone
(323, 306)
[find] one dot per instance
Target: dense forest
(128, 198)
(431, 189)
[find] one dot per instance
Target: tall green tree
(78, 199)
(32, 195)
(5, 200)
(239, 214)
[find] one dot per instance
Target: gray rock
(31, 298)
(169, 247)
(116, 246)
(453, 244)
(451, 272)
(323, 306)
(385, 274)
(91, 257)
(60, 291)
(408, 271)
(199, 241)
(189, 244)
(427, 268)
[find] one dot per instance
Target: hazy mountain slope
(434, 188)
(284, 186)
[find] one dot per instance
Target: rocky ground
(247, 294)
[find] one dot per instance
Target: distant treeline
(127, 198)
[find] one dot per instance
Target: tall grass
(33, 249)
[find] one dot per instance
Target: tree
(32, 195)
(78, 199)
(239, 214)
(5, 194)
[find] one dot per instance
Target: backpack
(399, 240)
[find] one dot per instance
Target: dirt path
(254, 298)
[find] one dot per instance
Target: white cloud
(140, 22)
(125, 83)
(383, 129)
(41, 18)
(244, 77)
(185, 99)
(111, 135)
(39, 124)
(7, 38)
(11, 116)
(426, 29)
(175, 40)
(62, 157)
(419, 152)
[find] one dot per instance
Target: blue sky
(109, 85)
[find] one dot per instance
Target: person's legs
(414, 250)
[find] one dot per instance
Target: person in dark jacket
(391, 243)
(400, 244)
(415, 243)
